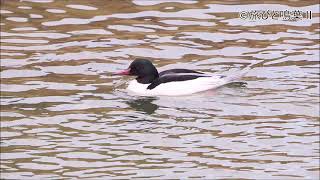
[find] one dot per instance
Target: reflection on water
(64, 116)
(143, 105)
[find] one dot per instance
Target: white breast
(177, 88)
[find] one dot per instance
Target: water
(64, 115)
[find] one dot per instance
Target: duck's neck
(147, 79)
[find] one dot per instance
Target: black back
(173, 77)
(173, 71)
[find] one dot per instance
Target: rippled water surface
(64, 116)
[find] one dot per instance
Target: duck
(172, 82)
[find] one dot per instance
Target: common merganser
(173, 82)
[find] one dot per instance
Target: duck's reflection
(143, 104)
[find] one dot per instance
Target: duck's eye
(133, 71)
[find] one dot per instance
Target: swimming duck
(173, 82)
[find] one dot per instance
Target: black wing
(176, 71)
(174, 77)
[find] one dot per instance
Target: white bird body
(177, 88)
(174, 82)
